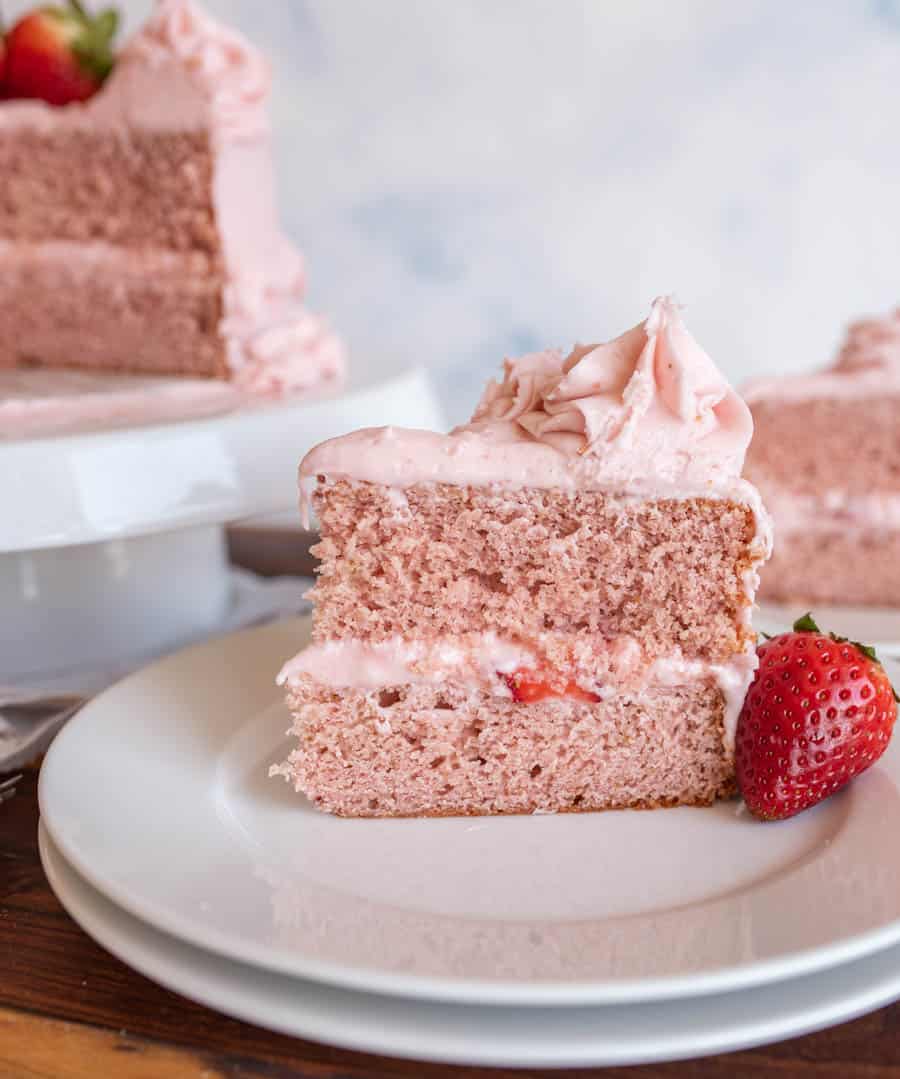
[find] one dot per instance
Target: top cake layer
(806, 425)
(540, 566)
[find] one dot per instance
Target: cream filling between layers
(484, 660)
(833, 511)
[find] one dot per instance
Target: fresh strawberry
(529, 687)
(819, 711)
(2, 66)
(59, 54)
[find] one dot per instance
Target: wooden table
(68, 1010)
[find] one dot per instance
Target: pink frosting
(230, 75)
(290, 354)
(647, 412)
(871, 343)
(868, 364)
(649, 403)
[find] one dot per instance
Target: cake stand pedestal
(112, 541)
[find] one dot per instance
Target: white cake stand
(112, 541)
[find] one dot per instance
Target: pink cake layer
(451, 750)
(66, 307)
(149, 190)
(842, 566)
(822, 444)
(437, 559)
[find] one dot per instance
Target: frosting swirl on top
(646, 414)
(871, 343)
(649, 404)
(231, 75)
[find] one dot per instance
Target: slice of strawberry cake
(826, 456)
(547, 609)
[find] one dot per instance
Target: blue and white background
(482, 177)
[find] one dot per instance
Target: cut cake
(138, 230)
(547, 609)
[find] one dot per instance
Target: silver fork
(8, 787)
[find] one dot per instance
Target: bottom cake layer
(446, 750)
(841, 567)
(101, 310)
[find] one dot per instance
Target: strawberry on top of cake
(138, 227)
(547, 609)
(826, 456)
(58, 54)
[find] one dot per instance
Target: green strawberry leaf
(92, 43)
(806, 624)
(106, 24)
(866, 649)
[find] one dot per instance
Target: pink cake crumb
(424, 751)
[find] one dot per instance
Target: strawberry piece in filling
(529, 687)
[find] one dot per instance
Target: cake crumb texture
(157, 319)
(140, 190)
(802, 446)
(834, 567)
(448, 560)
(421, 750)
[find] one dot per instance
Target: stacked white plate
(576, 939)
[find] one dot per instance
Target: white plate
(454, 1033)
(877, 626)
(157, 794)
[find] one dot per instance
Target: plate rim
(778, 1027)
(546, 993)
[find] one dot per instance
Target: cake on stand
(112, 535)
